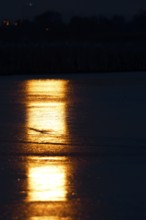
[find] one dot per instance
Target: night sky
(23, 8)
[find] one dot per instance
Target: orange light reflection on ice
(47, 181)
(46, 110)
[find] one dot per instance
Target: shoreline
(71, 58)
(106, 78)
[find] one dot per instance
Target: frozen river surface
(73, 147)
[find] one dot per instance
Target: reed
(68, 58)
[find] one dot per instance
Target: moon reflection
(47, 180)
(48, 218)
(46, 111)
(44, 218)
(46, 123)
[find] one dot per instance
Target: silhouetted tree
(139, 21)
(49, 20)
(118, 23)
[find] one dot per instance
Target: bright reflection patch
(46, 110)
(49, 218)
(44, 218)
(46, 181)
(48, 86)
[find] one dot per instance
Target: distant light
(6, 22)
(15, 23)
(30, 4)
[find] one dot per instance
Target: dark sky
(20, 8)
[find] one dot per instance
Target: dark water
(73, 147)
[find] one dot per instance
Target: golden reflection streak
(47, 180)
(48, 218)
(46, 122)
(53, 87)
(46, 110)
(43, 218)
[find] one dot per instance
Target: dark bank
(85, 44)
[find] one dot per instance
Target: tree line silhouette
(50, 27)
